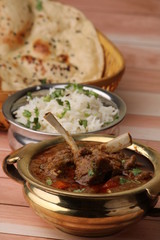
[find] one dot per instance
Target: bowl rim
(107, 95)
(152, 187)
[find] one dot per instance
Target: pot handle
(10, 170)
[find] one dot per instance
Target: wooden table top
(134, 27)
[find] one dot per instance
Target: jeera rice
(77, 109)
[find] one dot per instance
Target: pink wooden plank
(128, 27)
(141, 121)
(3, 154)
(143, 80)
(24, 216)
(4, 145)
(145, 129)
(145, 58)
(121, 6)
(2, 174)
(20, 215)
(12, 193)
(20, 237)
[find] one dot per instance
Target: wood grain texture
(4, 144)
(135, 7)
(140, 80)
(13, 194)
(16, 237)
(139, 230)
(141, 57)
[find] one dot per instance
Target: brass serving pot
(81, 213)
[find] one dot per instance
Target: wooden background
(134, 27)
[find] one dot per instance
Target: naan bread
(59, 44)
(16, 22)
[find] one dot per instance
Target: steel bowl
(19, 135)
(81, 213)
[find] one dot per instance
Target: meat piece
(145, 175)
(56, 164)
(130, 163)
(94, 166)
(89, 169)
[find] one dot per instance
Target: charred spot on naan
(15, 25)
(63, 58)
(15, 39)
(41, 47)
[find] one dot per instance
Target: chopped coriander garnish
(116, 117)
(136, 171)
(49, 181)
(83, 122)
(123, 161)
(79, 190)
(39, 5)
(91, 172)
(59, 101)
(106, 123)
(75, 87)
(28, 124)
(69, 85)
(88, 106)
(109, 122)
(47, 98)
(36, 111)
(27, 114)
(54, 95)
(43, 81)
(29, 94)
(123, 180)
(62, 114)
(36, 124)
(57, 93)
(80, 89)
(68, 106)
(87, 114)
(91, 93)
